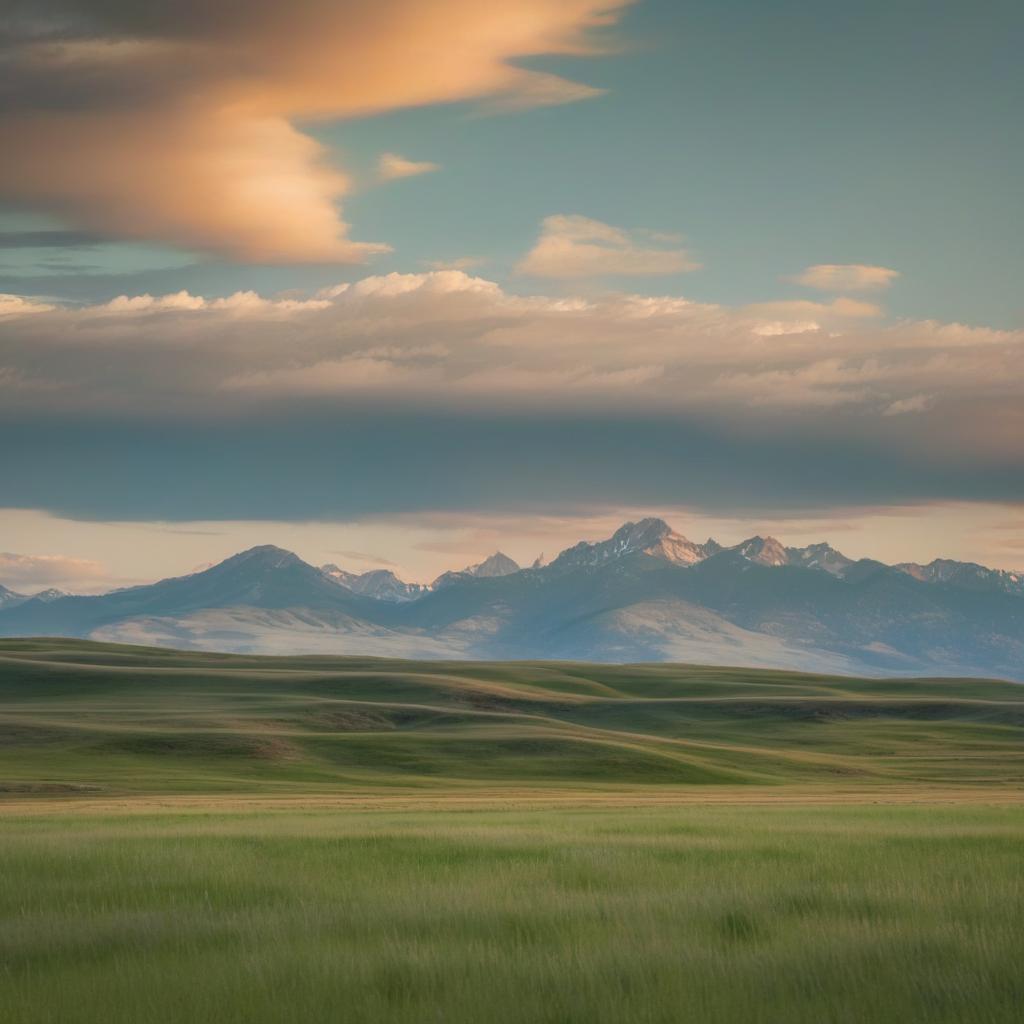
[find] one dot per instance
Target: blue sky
(736, 261)
(772, 136)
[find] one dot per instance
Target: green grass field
(700, 913)
(117, 720)
(191, 837)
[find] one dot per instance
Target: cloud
(538, 89)
(177, 123)
(846, 277)
(914, 403)
(42, 571)
(362, 556)
(391, 166)
(797, 316)
(19, 305)
(447, 340)
(571, 246)
(47, 240)
(459, 263)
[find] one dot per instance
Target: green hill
(80, 717)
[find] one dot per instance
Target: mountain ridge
(644, 594)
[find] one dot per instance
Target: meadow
(573, 914)
(191, 837)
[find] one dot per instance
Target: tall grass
(702, 914)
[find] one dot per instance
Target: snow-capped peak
(652, 537)
(380, 584)
(764, 551)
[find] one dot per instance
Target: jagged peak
(380, 574)
(820, 555)
(764, 550)
(948, 570)
(498, 564)
(647, 530)
(650, 536)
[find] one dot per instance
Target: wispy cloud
(910, 404)
(391, 166)
(48, 240)
(571, 246)
(34, 572)
(459, 263)
(362, 556)
(846, 277)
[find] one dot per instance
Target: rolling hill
(81, 717)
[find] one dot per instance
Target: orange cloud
(175, 122)
(391, 166)
(571, 246)
(842, 277)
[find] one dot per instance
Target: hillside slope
(84, 717)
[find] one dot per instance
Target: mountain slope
(9, 598)
(498, 564)
(263, 577)
(380, 584)
(968, 575)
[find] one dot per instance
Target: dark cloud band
(328, 465)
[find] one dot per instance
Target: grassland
(104, 719)
(665, 914)
(199, 838)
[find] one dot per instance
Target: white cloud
(571, 246)
(846, 277)
(391, 166)
(239, 303)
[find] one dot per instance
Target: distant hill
(644, 594)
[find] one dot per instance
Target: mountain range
(644, 594)
(10, 598)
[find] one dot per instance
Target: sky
(396, 285)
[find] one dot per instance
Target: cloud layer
(176, 122)
(445, 339)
